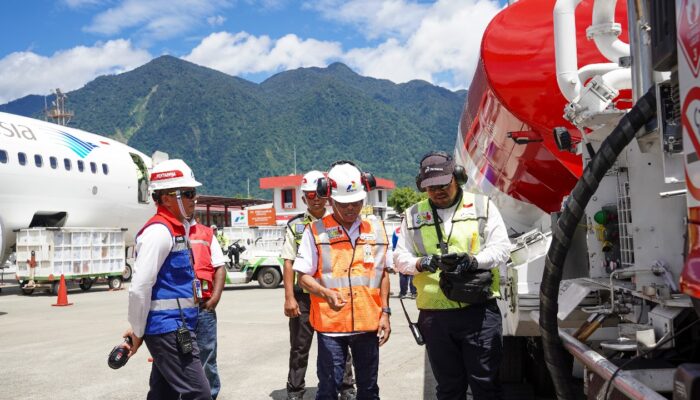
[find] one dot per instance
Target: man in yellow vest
(456, 245)
(342, 262)
(297, 301)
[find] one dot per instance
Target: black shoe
(348, 395)
(402, 296)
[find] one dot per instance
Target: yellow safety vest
(467, 236)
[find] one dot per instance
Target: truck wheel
(54, 288)
(25, 290)
(114, 282)
(269, 278)
(126, 275)
(85, 284)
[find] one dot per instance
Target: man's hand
(429, 263)
(458, 263)
(135, 342)
(210, 305)
(335, 299)
(291, 307)
(384, 328)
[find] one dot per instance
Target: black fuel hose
(557, 358)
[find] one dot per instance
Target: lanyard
(441, 244)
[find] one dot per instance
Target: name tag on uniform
(368, 256)
(367, 236)
(196, 290)
(179, 243)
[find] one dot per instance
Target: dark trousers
(406, 281)
(174, 375)
(330, 366)
(301, 334)
(464, 347)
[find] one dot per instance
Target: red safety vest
(201, 237)
(356, 273)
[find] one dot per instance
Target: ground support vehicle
(589, 144)
(254, 254)
(82, 255)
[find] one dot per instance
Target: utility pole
(248, 187)
(295, 159)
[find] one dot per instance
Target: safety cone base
(62, 305)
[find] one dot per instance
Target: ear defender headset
(325, 185)
(459, 173)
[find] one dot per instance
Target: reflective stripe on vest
(174, 281)
(354, 271)
(201, 237)
(296, 226)
(467, 236)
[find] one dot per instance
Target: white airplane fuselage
(42, 184)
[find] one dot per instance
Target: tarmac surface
(61, 352)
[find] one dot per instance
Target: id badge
(196, 290)
(368, 257)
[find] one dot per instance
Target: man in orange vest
(342, 261)
(208, 261)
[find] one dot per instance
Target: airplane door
(142, 178)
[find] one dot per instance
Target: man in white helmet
(342, 262)
(297, 301)
(164, 292)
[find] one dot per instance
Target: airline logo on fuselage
(80, 147)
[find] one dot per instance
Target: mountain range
(232, 131)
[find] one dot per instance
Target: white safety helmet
(171, 174)
(309, 181)
(346, 184)
(213, 227)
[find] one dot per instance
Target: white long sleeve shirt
(494, 253)
(152, 248)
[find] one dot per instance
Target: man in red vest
(342, 261)
(208, 262)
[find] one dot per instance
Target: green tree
(404, 197)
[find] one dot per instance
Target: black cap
(436, 169)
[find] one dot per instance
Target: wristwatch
(386, 310)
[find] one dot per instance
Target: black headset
(324, 185)
(459, 173)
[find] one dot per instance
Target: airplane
(56, 176)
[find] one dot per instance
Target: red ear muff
(369, 181)
(323, 187)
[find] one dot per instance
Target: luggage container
(82, 255)
(261, 258)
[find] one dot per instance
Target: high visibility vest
(201, 238)
(467, 236)
(173, 283)
(296, 226)
(353, 271)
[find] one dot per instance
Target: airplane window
(81, 165)
(3, 157)
(54, 162)
(105, 169)
(22, 158)
(93, 167)
(67, 164)
(38, 160)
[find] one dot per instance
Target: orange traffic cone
(62, 298)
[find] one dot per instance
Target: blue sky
(67, 43)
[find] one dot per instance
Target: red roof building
(287, 196)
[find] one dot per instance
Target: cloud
(24, 73)
(155, 19)
(216, 20)
(243, 53)
(373, 18)
(81, 3)
(444, 40)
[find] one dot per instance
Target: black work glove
(458, 263)
(429, 263)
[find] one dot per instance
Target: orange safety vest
(354, 271)
(200, 240)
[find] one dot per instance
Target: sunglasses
(438, 187)
(188, 194)
(310, 195)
